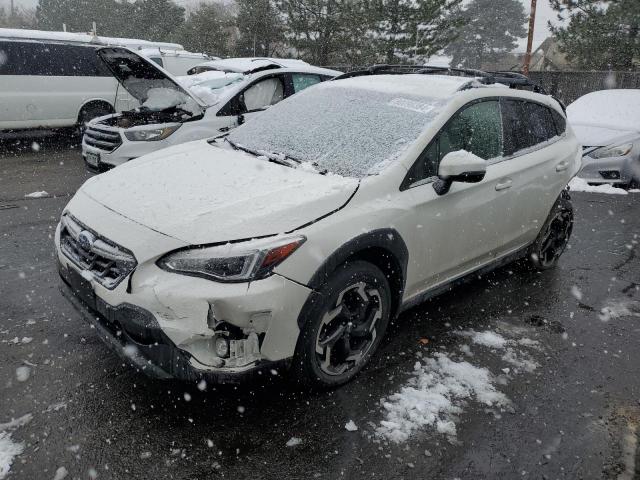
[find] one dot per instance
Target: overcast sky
(543, 15)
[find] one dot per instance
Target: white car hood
(597, 136)
(199, 193)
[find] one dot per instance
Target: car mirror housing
(459, 166)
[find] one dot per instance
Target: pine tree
(412, 30)
(491, 28)
(601, 34)
(209, 29)
(260, 28)
(327, 32)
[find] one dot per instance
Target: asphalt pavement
(574, 414)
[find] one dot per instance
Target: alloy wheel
(555, 238)
(348, 330)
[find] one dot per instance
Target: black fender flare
(384, 238)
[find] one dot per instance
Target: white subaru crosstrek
(293, 240)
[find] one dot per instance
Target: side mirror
(460, 166)
(240, 119)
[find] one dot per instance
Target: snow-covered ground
(443, 384)
(578, 184)
(9, 448)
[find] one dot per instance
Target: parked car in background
(55, 79)
(176, 62)
(52, 83)
(293, 240)
(177, 110)
(246, 65)
(607, 123)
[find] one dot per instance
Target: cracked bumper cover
(141, 337)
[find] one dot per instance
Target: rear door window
(517, 133)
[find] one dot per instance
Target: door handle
(504, 184)
(562, 166)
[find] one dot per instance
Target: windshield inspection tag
(408, 104)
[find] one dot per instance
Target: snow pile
(209, 86)
(580, 185)
(40, 194)
(486, 338)
(159, 99)
(350, 426)
(434, 397)
(621, 308)
(8, 448)
(520, 360)
(294, 442)
(441, 386)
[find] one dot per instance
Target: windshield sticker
(412, 105)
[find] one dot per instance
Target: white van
(51, 84)
(176, 62)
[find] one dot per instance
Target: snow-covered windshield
(343, 130)
(209, 86)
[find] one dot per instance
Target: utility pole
(12, 11)
(532, 22)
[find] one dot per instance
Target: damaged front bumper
(136, 336)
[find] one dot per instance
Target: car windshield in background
(209, 86)
(344, 130)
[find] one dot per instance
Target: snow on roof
(147, 52)
(431, 86)
(245, 64)
(84, 38)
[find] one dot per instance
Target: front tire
(554, 235)
(89, 112)
(344, 327)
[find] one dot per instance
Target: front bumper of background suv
(167, 324)
(109, 146)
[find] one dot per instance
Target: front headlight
(609, 152)
(150, 135)
(232, 262)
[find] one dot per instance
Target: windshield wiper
(278, 158)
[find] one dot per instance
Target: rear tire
(344, 327)
(554, 235)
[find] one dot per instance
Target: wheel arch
(383, 248)
(92, 102)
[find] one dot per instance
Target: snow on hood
(199, 193)
(152, 86)
(599, 117)
(248, 64)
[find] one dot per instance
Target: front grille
(103, 139)
(97, 257)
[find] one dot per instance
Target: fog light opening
(222, 347)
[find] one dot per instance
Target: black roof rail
(513, 80)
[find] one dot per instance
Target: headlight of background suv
(233, 262)
(150, 135)
(607, 152)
